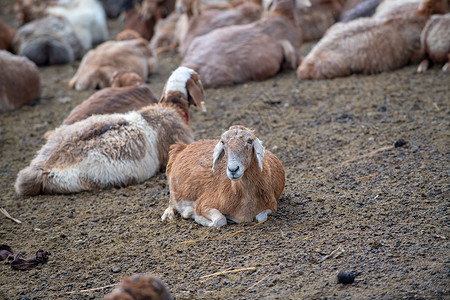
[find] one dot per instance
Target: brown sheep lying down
(232, 178)
(99, 65)
(369, 45)
(20, 81)
(241, 53)
(128, 93)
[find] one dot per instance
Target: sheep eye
(222, 142)
(250, 141)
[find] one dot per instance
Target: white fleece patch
(177, 81)
(103, 170)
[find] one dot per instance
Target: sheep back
(112, 100)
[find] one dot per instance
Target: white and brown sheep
(209, 19)
(49, 40)
(254, 51)
(140, 287)
(128, 92)
(435, 42)
(20, 81)
(103, 151)
(368, 45)
(87, 17)
(98, 65)
(232, 178)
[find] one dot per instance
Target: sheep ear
(218, 154)
(195, 93)
(259, 152)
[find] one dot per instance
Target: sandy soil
(389, 211)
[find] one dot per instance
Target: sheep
(210, 19)
(103, 151)
(166, 35)
(87, 17)
(140, 287)
(255, 51)
(99, 64)
(315, 19)
(368, 45)
(128, 92)
(143, 18)
(199, 188)
(20, 81)
(49, 40)
(435, 42)
(6, 36)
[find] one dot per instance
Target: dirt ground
(389, 211)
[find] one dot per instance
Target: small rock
(116, 269)
(345, 277)
(400, 143)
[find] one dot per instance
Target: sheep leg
(262, 216)
(289, 55)
(213, 218)
(168, 213)
(423, 66)
(446, 67)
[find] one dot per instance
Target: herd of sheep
(122, 134)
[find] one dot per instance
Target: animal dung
(345, 277)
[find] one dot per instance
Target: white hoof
(262, 216)
(168, 214)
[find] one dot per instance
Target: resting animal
(241, 53)
(368, 45)
(87, 17)
(209, 19)
(140, 287)
(127, 93)
(435, 42)
(20, 81)
(98, 65)
(142, 18)
(234, 178)
(50, 40)
(103, 151)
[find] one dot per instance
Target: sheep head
(186, 82)
(241, 147)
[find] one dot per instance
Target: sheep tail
(29, 182)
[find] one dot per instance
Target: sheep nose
(233, 171)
